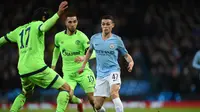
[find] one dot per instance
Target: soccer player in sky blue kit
(31, 66)
(107, 47)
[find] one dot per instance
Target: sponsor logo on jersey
(65, 53)
(77, 42)
(102, 52)
(112, 46)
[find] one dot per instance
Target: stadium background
(161, 36)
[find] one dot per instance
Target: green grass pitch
(126, 110)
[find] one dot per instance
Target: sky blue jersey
(107, 52)
(196, 61)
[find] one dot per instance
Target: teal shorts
(45, 79)
(86, 80)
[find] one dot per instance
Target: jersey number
(22, 37)
(115, 76)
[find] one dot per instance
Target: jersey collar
(67, 34)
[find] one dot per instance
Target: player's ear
(43, 18)
(113, 25)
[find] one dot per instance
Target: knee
(67, 88)
(97, 105)
(91, 99)
(28, 94)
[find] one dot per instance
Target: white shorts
(103, 85)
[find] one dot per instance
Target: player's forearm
(87, 56)
(2, 41)
(128, 58)
(49, 23)
(93, 55)
(56, 54)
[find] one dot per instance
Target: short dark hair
(39, 13)
(108, 17)
(70, 14)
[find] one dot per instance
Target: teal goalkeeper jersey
(71, 46)
(30, 41)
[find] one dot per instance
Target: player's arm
(130, 61)
(87, 57)
(196, 60)
(9, 37)
(52, 21)
(56, 54)
(3, 41)
(126, 55)
(93, 55)
(86, 44)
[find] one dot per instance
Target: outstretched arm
(52, 21)
(2, 41)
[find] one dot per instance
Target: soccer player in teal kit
(107, 47)
(72, 44)
(31, 66)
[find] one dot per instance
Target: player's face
(107, 25)
(71, 23)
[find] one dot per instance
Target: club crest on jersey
(112, 46)
(62, 42)
(77, 42)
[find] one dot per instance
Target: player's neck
(69, 32)
(106, 36)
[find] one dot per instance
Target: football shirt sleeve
(2, 41)
(86, 42)
(56, 52)
(196, 60)
(92, 48)
(91, 43)
(121, 47)
(49, 23)
(12, 36)
(56, 43)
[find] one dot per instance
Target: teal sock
(62, 101)
(18, 103)
(75, 100)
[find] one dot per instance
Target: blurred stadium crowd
(162, 36)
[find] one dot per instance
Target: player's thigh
(70, 79)
(114, 78)
(47, 79)
(27, 86)
(102, 88)
(87, 81)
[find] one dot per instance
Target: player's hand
(63, 5)
(53, 67)
(130, 66)
(79, 59)
(81, 70)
